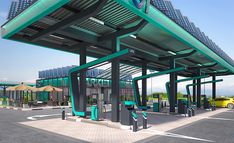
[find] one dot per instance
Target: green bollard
(134, 118)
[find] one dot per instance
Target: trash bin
(206, 104)
(182, 107)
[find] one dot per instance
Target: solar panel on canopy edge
(171, 11)
(159, 4)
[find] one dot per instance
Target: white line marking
(213, 118)
(168, 134)
(41, 116)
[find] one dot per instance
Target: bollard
(213, 107)
(63, 113)
(189, 112)
(134, 118)
(144, 115)
(193, 112)
(185, 111)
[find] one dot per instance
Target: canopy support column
(194, 91)
(83, 96)
(198, 89)
(176, 89)
(213, 87)
(172, 86)
(144, 84)
(4, 91)
(115, 82)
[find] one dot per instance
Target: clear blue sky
(21, 62)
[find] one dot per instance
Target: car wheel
(230, 106)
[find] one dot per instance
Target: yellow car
(224, 102)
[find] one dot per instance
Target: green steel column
(176, 89)
(115, 82)
(83, 96)
(144, 84)
(213, 87)
(4, 91)
(172, 86)
(194, 91)
(57, 94)
(198, 89)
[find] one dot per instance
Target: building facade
(95, 86)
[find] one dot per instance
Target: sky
(21, 62)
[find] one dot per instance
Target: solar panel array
(170, 12)
(92, 73)
(63, 72)
(166, 7)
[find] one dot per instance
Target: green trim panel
(134, 84)
(183, 80)
(129, 103)
(158, 19)
(75, 71)
(36, 11)
(212, 81)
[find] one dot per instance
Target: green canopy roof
(69, 25)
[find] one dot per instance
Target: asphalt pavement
(13, 132)
(218, 128)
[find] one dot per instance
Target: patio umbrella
(50, 88)
(21, 87)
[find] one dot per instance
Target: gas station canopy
(69, 25)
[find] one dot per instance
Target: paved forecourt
(201, 128)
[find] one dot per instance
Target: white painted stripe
(213, 118)
(168, 134)
(41, 116)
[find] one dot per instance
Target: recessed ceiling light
(97, 20)
(58, 37)
(170, 52)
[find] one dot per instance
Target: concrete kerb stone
(161, 127)
(106, 123)
(31, 109)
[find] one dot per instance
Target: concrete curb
(31, 109)
(101, 123)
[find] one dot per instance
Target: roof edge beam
(36, 11)
(124, 32)
(219, 73)
(164, 58)
(76, 18)
(160, 20)
(201, 67)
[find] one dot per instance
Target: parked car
(224, 102)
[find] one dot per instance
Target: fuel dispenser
(157, 104)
